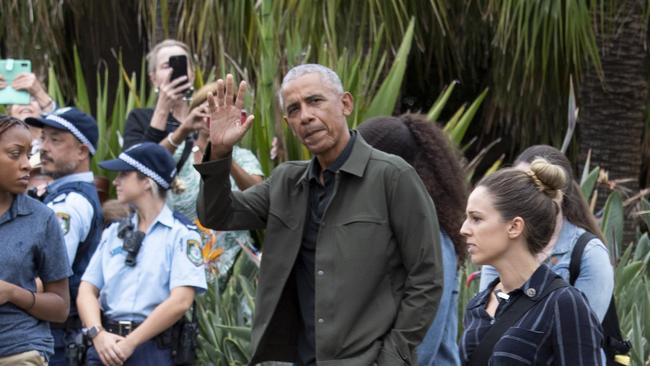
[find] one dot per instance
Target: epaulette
(185, 221)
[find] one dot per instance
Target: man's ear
(516, 227)
(348, 103)
(84, 152)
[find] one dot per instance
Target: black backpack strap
(576, 256)
(521, 305)
(614, 343)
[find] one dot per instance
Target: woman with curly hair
(425, 146)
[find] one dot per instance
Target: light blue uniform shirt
(596, 279)
(170, 257)
(74, 212)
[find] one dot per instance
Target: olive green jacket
(378, 263)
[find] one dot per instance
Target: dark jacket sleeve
(138, 129)
(220, 208)
(415, 226)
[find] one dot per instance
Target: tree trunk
(612, 110)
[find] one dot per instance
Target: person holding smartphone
(40, 101)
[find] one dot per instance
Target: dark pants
(63, 338)
(147, 354)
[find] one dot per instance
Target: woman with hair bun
(595, 277)
(528, 315)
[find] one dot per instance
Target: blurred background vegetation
(501, 75)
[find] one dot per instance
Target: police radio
(131, 240)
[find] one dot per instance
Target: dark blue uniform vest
(87, 248)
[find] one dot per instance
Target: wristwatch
(92, 332)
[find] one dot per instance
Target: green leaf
(642, 247)
(439, 104)
(81, 98)
(458, 132)
(588, 183)
(383, 104)
(612, 224)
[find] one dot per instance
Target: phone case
(179, 66)
(9, 69)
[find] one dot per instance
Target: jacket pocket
(518, 346)
(362, 237)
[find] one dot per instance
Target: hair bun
(547, 177)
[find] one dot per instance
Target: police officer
(69, 140)
(147, 269)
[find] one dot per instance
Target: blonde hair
(152, 56)
(200, 96)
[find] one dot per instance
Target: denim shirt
(439, 348)
(596, 279)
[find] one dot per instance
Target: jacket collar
(533, 287)
(355, 164)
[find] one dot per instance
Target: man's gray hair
(328, 75)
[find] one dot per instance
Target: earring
(156, 90)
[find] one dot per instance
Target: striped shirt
(560, 329)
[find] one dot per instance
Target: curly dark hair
(425, 146)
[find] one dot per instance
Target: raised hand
(170, 93)
(225, 124)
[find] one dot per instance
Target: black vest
(86, 248)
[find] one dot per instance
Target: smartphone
(178, 64)
(9, 69)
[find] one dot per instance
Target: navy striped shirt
(560, 329)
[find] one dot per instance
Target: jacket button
(531, 292)
(321, 320)
(321, 272)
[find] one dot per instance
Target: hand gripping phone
(178, 64)
(9, 69)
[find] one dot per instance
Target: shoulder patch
(64, 221)
(193, 251)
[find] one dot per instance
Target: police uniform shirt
(74, 212)
(170, 257)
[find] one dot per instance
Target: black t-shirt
(138, 127)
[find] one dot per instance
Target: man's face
(61, 152)
(317, 114)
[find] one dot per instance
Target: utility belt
(125, 327)
(180, 337)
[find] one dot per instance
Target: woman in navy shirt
(32, 246)
(510, 219)
(596, 275)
